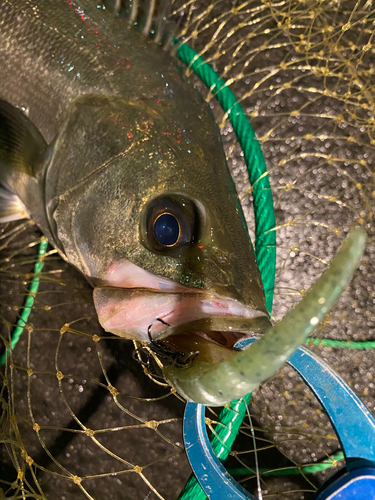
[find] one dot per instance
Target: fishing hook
(178, 359)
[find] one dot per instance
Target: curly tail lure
(220, 383)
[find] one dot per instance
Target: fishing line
(260, 495)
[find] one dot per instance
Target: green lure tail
(218, 384)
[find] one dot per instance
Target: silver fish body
(103, 136)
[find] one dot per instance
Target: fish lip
(225, 341)
(132, 312)
(129, 300)
(206, 312)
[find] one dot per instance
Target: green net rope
(29, 300)
(230, 418)
(292, 471)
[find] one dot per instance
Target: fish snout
(234, 275)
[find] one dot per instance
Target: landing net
(80, 418)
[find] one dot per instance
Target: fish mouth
(180, 325)
(208, 346)
(212, 340)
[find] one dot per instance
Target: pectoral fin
(20, 141)
(21, 147)
(11, 207)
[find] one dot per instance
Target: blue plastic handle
(354, 485)
(216, 482)
(352, 421)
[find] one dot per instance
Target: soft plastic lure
(220, 383)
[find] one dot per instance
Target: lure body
(100, 135)
(216, 385)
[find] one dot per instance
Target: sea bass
(118, 159)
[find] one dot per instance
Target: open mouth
(211, 340)
(195, 322)
(211, 346)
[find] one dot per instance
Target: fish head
(149, 213)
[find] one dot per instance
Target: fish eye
(170, 222)
(166, 229)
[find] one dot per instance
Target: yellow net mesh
(79, 417)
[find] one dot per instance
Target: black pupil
(166, 229)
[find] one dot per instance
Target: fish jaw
(130, 312)
(130, 300)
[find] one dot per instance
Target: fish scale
(26, 40)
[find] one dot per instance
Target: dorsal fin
(151, 17)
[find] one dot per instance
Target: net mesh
(80, 418)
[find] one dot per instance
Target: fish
(108, 147)
(111, 151)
